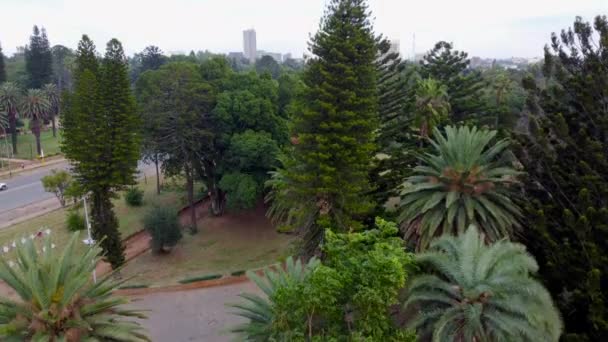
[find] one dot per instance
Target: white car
(3, 186)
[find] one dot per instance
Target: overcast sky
(486, 28)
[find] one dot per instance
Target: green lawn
(129, 219)
(26, 145)
(232, 242)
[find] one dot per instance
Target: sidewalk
(31, 165)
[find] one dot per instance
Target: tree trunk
(13, 128)
(216, 197)
(190, 181)
(36, 131)
(157, 175)
(54, 128)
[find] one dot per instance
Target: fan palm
(481, 293)
(10, 96)
(52, 94)
(58, 300)
(36, 107)
(432, 105)
(465, 182)
(259, 309)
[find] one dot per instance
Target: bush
(134, 197)
(75, 222)
(163, 225)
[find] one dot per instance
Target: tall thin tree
(36, 107)
(52, 94)
(10, 97)
(38, 59)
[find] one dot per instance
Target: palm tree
(465, 182)
(432, 105)
(502, 85)
(480, 293)
(36, 107)
(10, 96)
(59, 302)
(259, 309)
(52, 94)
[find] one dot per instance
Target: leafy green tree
(267, 64)
(333, 131)
(466, 181)
(464, 86)
(346, 298)
(58, 183)
(2, 67)
(52, 94)
(101, 137)
(432, 106)
(151, 58)
(476, 292)
(177, 100)
(36, 107)
(163, 225)
(10, 99)
(290, 86)
(38, 59)
(58, 300)
(565, 154)
(63, 61)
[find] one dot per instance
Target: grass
(223, 245)
(26, 145)
(129, 219)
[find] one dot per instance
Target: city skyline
(500, 30)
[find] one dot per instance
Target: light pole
(89, 241)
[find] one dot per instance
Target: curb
(5, 174)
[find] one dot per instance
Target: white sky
(486, 28)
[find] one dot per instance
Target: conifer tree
(2, 67)
(101, 137)
(464, 86)
(333, 130)
(38, 59)
(565, 154)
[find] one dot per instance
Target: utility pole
(89, 241)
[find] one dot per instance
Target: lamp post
(89, 240)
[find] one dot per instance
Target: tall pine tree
(2, 67)
(101, 137)
(333, 130)
(38, 59)
(451, 68)
(565, 154)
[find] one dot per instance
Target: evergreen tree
(38, 59)
(464, 86)
(101, 137)
(333, 131)
(2, 67)
(565, 154)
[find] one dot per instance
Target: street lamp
(89, 240)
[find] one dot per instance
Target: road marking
(20, 187)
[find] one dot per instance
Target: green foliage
(52, 95)
(346, 298)
(200, 278)
(58, 300)
(10, 98)
(2, 67)
(163, 225)
(101, 136)
(134, 196)
(38, 59)
(243, 191)
(35, 106)
(58, 183)
(333, 127)
(565, 154)
(267, 65)
(476, 292)
(75, 222)
(432, 106)
(450, 68)
(467, 181)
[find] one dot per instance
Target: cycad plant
(58, 301)
(10, 97)
(478, 292)
(466, 181)
(36, 107)
(258, 310)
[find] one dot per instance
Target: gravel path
(196, 315)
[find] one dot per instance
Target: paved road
(195, 315)
(26, 188)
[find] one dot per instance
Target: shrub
(163, 225)
(200, 278)
(134, 197)
(75, 222)
(237, 273)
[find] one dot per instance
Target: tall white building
(250, 45)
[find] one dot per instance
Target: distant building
(418, 57)
(250, 45)
(236, 55)
(275, 55)
(286, 56)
